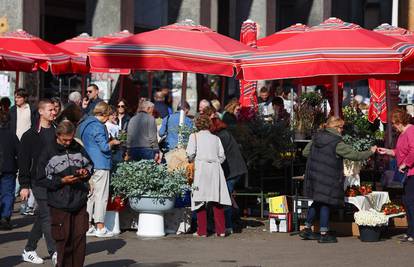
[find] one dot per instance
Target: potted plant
(151, 189)
(371, 224)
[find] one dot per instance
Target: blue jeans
(324, 210)
(7, 194)
(138, 154)
(228, 210)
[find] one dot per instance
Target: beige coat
(209, 181)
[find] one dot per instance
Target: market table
(374, 200)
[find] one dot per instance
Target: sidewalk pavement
(254, 247)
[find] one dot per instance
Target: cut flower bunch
(370, 218)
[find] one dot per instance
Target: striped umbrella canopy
(114, 36)
(248, 96)
(46, 55)
(282, 35)
(333, 49)
(10, 61)
(184, 46)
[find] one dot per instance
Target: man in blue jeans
(8, 168)
(142, 141)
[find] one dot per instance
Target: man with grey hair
(142, 142)
(75, 97)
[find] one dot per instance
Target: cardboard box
(400, 222)
(281, 223)
(278, 205)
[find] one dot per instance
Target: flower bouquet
(370, 223)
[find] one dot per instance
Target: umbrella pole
(223, 90)
(149, 76)
(16, 86)
(183, 97)
(388, 137)
(121, 87)
(60, 87)
(83, 84)
(335, 95)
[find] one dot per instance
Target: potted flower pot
(151, 214)
(369, 233)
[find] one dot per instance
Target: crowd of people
(62, 157)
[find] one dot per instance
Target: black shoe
(307, 234)
(326, 238)
(5, 225)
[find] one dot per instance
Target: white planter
(151, 215)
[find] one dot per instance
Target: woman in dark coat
(234, 166)
(324, 180)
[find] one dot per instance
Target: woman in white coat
(209, 185)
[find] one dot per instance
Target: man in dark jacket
(89, 103)
(324, 182)
(8, 168)
(66, 176)
(32, 143)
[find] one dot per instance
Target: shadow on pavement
(160, 264)
(110, 245)
(10, 260)
(116, 263)
(11, 237)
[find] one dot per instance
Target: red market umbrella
(333, 49)
(46, 55)
(378, 103)
(282, 35)
(248, 95)
(79, 47)
(10, 61)
(182, 47)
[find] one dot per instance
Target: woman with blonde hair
(209, 187)
(324, 179)
(231, 112)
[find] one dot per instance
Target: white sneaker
(104, 232)
(32, 257)
(54, 259)
(91, 231)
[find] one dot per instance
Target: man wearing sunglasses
(89, 102)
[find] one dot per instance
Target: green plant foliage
(263, 141)
(358, 131)
(147, 178)
(184, 133)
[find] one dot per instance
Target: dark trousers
(69, 231)
(228, 210)
(219, 221)
(408, 199)
(137, 154)
(41, 226)
(7, 189)
(324, 211)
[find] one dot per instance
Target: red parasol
(178, 47)
(79, 47)
(348, 50)
(46, 55)
(282, 35)
(10, 61)
(248, 96)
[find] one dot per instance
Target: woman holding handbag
(209, 186)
